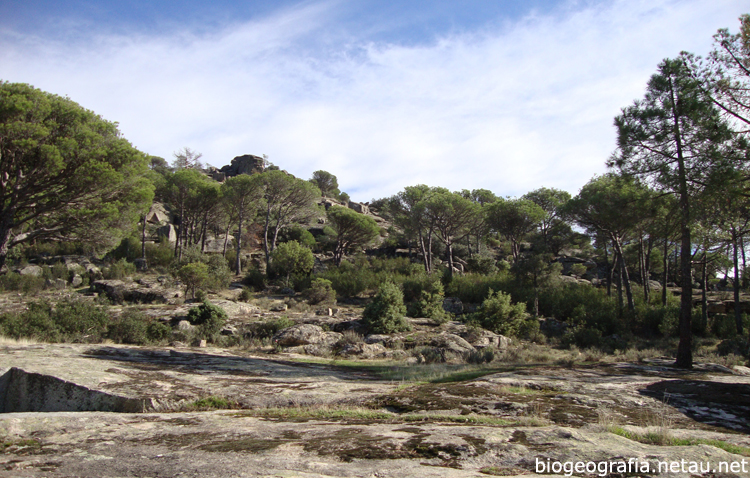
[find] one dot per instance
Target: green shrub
(220, 276)
(34, 323)
(265, 330)
(320, 292)
(119, 270)
(581, 304)
(27, 284)
(475, 288)
(128, 249)
(481, 264)
(298, 234)
(499, 315)
(582, 336)
(245, 295)
(81, 321)
(255, 279)
(69, 320)
(158, 332)
(210, 319)
(194, 276)
(385, 314)
(160, 254)
(130, 328)
(292, 258)
(724, 326)
(425, 295)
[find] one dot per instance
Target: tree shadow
(720, 404)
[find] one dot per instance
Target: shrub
(210, 319)
(130, 328)
(298, 234)
(474, 288)
(499, 315)
(265, 330)
(119, 270)
(157, 332)
(219, 274)
(128, 249)
(160, 254)
(425, 294)
(385, 314)
(255, 279)
(292, 258)
(27, 284)
(481, 264)
(320, 292)
(194, 275)
(69, 320)
(245, 295)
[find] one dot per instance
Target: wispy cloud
(511, 107)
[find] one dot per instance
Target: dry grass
(22, 341)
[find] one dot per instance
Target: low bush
(27, 284)
(160, 254)
(320, 292)
(474, 288)
(119, 270)
(194, 276)
(266, 330)
(425, 295)
(134, 327)
(68, 321)
(255, 279)
(500, 315)
(245, 295)
(385, 314)
(209, 318)
(130, 328)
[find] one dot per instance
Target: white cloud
(510, 108)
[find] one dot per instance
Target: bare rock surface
(512, 419)
(220, 444)
(166, 377)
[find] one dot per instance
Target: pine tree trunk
(736, 283)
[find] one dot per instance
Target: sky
(508, 95)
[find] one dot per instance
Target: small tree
(499, 315)
(385, 314)
(194, 276)
(209, 318)
(292, 258)
(326, 182)
(352, 230)
(186, 158)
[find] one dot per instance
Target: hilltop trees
(675, 140)
(352, 230)
(65, 173)
(241, 195)
(452, 216)
(286, 201)
(326, 182)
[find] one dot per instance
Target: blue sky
(507, 95)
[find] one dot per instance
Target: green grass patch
(662, 439)
(20, 447)
(401, 372)
(214, 402)
(368, 415)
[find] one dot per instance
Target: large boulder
(359, 207)
(453, 305)
(144, 293)
(245, 164)
(452, 343)
(363, 350)
(301, 334)
(31, 270)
